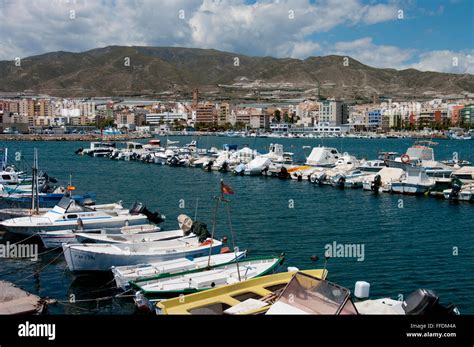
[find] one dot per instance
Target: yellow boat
(257, 294)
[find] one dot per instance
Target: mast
(34, 184)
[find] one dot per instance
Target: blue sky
(436, 35)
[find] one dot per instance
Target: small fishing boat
(124, 274)
(129, 238)
(55, 238)
(382, 181)
(416, 182)
(170, 285)
(101, 257)
(460, 192)
(220, 300)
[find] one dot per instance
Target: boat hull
(96, 223)
(409, 188)
(79, 260)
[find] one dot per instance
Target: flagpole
(213, 230)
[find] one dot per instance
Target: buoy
(293, 269)
(362, 289)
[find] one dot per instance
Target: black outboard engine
(79, 150)
(173, 161)
(283, 174)
(224, 167)
(154, 217)
(455, 190)
(426, 302)
(200, 230)
(340, 182)
(376, 184)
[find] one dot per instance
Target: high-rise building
(206, 113)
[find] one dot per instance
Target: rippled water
(405, 248)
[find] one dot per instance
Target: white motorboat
(382, 181)
(129, 238)
(98, 149)
(124, 274)
(53, 239)
(69, 215)
(257, 166)
(463, 192)
(422, 156)
(351, 179)
(323, 157)
(205, 278)
(101, 257)
(416, 182)
(277, 155)
(372, 165)
(465, 174)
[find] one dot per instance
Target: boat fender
(225, 250)
(405, 158)
(293, 269)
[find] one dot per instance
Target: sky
(429, 35)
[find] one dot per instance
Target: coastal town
(448, 116)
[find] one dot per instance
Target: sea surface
(409, 242)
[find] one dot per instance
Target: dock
(14, 300)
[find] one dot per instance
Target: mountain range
(174, 71)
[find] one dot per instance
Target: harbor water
(408, 242)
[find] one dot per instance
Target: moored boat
(101, 257)
(219, 300)
(124, 274)
(170, 285)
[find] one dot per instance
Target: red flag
(225, 189)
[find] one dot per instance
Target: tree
(106, 123)
(277, 116)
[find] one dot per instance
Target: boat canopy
(306, 294)
(420, 153)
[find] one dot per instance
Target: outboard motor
(79, 150)
(376, 184)
(340, 182)
(224, 167)
(154, 217)
(455, 190)
(173, 161)
(426, 302)
(283, 174)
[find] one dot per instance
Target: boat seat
(246, 306)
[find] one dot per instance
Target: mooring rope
(39, 271)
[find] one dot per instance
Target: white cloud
(446, 61)
(365, 51)
(260, 28)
